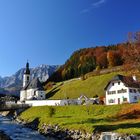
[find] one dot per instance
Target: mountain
(12, 84)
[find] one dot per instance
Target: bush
(98, 68)
(83, 77)
(49, 85)
(51, 111)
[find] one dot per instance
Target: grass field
(119, 118)
(74, 88)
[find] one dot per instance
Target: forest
(96, 58)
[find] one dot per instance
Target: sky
(49, 31)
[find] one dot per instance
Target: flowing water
(17, 131)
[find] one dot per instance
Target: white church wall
(33, 93)
(22, 95)
(30, 94)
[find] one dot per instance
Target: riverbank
(78, 122)
(118, 118)
(57, 133)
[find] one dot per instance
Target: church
(32, 89)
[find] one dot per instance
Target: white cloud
(98, 3)
(93, 5)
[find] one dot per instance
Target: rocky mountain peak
(15, 81)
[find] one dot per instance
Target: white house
(122, 89)
(32, 90)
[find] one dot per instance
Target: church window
(28, 78)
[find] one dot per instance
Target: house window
(111, 92)
(118, 83)
(135, 97)
(134, 90)
(112, 84)
(111, 100)
(124, 99)
(122, 91)
(130, 90)
(139, 90)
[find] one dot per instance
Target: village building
(122, 89)
(32, 89)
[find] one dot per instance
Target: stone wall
(52, 102)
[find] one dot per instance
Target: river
(17, 131)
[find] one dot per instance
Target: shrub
(83, 77)
(98, 68)
(49, 85)
(51, 111)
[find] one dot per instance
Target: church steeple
(26, 77)
(27, 71)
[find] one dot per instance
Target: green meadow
(119, 118)
(74, 88)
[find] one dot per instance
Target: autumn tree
(111, 58)
(114, 58)
(102, 60)
(132, 52)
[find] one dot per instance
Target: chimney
(134, 77)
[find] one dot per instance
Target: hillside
(88, 59)
(125, 56)
(74, 88)
(119, 118)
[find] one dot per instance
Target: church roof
(34, 84)
(127, 80)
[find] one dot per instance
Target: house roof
(127, 80)
(34, 84)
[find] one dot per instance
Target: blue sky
(48, 31)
